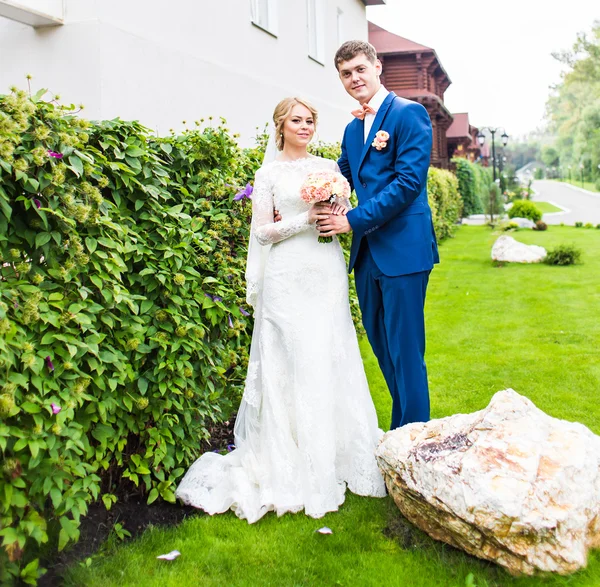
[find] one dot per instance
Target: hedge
(469, 186)
(124, 331)
(445, 202)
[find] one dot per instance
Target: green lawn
(546, 207)
(586, 185)
(534, 328)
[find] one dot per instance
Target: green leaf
(107, 500)
(63, 539)
(20, 444)
(38, 95)
(32, 185)
(34, 447)
(42, 238)
(134, 151)
(8, 491)
(102, 433)
(145, 306)
(6, 209)
(56, 497)
(76, 165)
(31, 408)
(96, 281)
(153, 495)
(168, 495)
(106, 242)
(91, 243)
(143, 385)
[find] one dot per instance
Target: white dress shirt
(375, 102)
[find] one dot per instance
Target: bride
(306, 427)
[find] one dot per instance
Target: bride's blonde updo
(282, 111)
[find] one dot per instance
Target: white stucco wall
(162, 63)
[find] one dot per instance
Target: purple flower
(37, 203)
(55, 154)
(217, 299)
(207, 296)
(230, 447)
(16, 305)
(245, 193)
(55, 408)
(230, 322)
(244, 313)
(49, 363)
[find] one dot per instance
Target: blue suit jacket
(391, 184)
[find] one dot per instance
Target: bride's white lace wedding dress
(306, 426)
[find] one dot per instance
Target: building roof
(388, 43)
(460, 127)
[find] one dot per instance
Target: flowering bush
(122, 319)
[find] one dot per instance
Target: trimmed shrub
(467, 187)
(563, 255)
(539, 225)
(579, 224)
(445, 202)
(525, 209)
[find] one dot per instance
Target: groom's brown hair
(350, 49)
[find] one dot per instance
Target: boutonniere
(381, 139)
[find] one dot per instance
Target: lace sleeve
(268, 232)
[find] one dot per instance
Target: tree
(574, 107)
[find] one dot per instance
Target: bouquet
(325, 186)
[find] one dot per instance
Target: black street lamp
(493, 131)
(481, 140)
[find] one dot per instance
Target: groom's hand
(334, 225)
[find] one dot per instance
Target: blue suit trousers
(393, 316)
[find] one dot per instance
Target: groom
(385, 157)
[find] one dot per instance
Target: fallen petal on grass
(324, 530)
(169, 556)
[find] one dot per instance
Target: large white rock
(508, 484)
(523, 222)
(509, 250)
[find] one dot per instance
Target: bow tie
(363, 110)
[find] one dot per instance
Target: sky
(497, 54)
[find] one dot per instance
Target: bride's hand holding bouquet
(325, 189)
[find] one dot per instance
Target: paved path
(580, 205)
